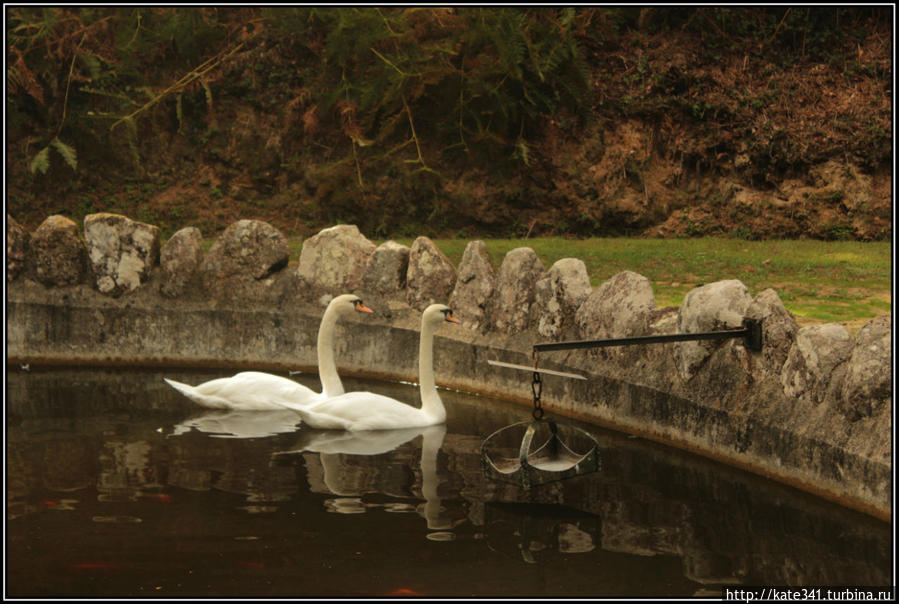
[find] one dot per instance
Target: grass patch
(818, 281)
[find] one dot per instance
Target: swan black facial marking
(359, 306)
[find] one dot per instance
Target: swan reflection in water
(340, 480)
(240, 423)
(341, 472)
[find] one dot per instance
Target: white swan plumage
(257, 391)
(369, 411)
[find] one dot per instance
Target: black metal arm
(751, 332)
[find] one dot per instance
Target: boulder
(384, 283)
(620, 307)
(18, 242)
(179, 259)
(386, 270)
(474, 287)
(713, 307)
(243, 260)
(122, 251)
(334, 261)
(663, 320)
(868, 387)
(558, 295)
(515, 283)
(430, 277)
(60, 257)
(812, 360)
(779, 329)
(656, 357)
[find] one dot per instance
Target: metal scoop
(551, 461)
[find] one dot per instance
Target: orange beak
(360, 307)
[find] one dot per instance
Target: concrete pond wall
(811, 409)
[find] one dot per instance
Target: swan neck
(327, 367)
(430, 400)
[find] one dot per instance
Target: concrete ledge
(78, 325)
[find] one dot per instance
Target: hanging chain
(537, 389)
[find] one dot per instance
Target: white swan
(256, 391)
(370, 411)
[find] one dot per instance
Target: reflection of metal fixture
(554, 460)
(536, 531)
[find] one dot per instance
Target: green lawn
(818, 281)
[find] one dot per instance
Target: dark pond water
(119, 487)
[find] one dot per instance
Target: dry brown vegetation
(758, 122)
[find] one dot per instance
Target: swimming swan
(370, 411)
(257, 391)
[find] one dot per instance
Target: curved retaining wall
(755, 427)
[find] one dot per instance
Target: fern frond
(508, 39)
(68, 153)
(566, 17)
(557, 53)
(523, 152)
(41, 161)
(19, 74)
(92, 64)
(98, 92)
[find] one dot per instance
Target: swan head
(438, 313)
(348, 303)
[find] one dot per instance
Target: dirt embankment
(689, 135)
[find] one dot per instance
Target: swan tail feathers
(182, 388)
(191, 393)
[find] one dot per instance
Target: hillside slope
(753, 123)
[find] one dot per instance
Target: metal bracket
(753, 340)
